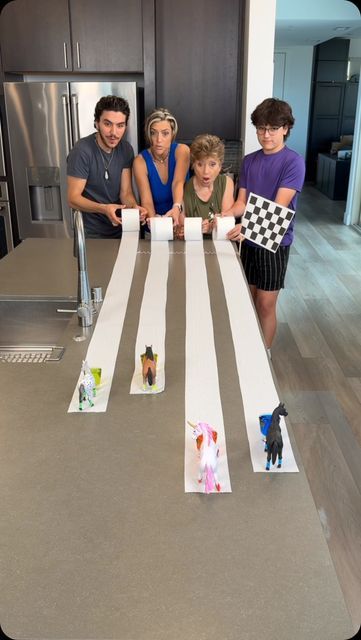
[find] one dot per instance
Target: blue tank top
(162, 193)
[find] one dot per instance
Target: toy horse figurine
(206, 439)
(87, 389)
(274, 442)
(149, 371)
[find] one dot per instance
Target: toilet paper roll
(130, 219)
(161, 228)
(193, 229)
(222, 227)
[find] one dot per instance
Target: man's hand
(111, 213)
(235, 233)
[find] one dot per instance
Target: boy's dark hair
(111, 103)
(273, 112)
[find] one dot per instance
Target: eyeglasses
(271, 130)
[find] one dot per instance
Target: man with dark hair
(100, 171)
(277, 173)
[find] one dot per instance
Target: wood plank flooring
(316, 357)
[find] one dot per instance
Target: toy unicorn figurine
(274, 442)
(87, 389)
(206, 440)
(149, 362)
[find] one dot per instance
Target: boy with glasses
(277, 173)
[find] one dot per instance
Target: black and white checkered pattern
(265, 222)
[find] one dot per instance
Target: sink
(31, 327)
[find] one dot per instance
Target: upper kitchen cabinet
(107, 35)
(36, 36)
(198, 64)
(74, 35)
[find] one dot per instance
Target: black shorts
(264, 269)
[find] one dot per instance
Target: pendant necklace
(106, 165)
(159, 160)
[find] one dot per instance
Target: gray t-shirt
(87, 161)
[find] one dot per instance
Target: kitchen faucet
(84, 302)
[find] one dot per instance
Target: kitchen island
(99, 539)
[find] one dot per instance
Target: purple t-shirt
(265, 173)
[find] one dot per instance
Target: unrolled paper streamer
(223, 225)
(193, 229)
(253, 366)
(161, 228)
(130, 219)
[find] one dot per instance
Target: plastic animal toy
(274, 442)
(87, 389)
(206, 440)
(264, 424)
(149, 367)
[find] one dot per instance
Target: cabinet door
(198, 68)
(35, 36)
(107, 35)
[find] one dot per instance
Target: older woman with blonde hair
(209, 191)
(161, 169)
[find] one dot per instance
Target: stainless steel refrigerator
(45, 119)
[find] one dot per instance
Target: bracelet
(179, 205)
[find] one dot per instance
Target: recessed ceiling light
(341, 28)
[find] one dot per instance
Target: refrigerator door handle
(75, 117)
(66, 116)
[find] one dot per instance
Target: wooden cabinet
(333, 102)
(107, 35)
(198, 64)
(82, 35)
(190, 54)
(331, 60)
(332, 176)
(35, 37)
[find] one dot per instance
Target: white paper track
(151, 328)
(256, 382)
(202, 394)
(104, 344)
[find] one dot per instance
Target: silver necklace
(106, 165)
(160, 160)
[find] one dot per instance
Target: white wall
(355, 48)
(292, 82)
(260, 18)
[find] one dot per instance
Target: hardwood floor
(316, 357)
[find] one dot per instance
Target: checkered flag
(265, 222)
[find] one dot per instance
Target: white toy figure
(87, 389)
(206, 440)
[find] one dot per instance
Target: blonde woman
(161, 170)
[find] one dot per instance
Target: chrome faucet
(84, 304)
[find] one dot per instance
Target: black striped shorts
(264, 269)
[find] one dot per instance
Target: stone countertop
(99, 539)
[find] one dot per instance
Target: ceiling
(312, 32)
(316, 21)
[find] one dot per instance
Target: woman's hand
(174, 213)
(143, 215)
(208, 225)
(179, 232)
